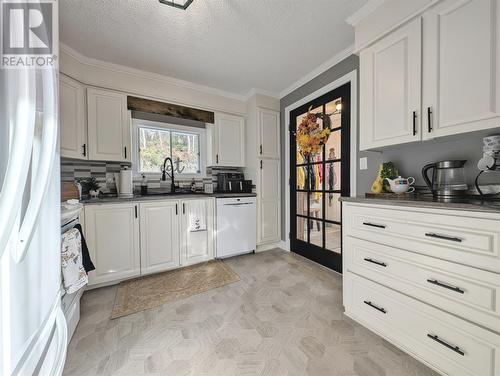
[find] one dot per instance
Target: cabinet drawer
(449, 344)
(450, 235)
(464, 291)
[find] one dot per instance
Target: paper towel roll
(125, 188)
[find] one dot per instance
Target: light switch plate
(363, 163)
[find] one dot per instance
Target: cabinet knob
(84, 147)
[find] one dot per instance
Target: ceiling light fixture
(180, 4)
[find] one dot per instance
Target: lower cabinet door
(269, 209)
(159, 236)
(112, 234)
(197, 231)
(269, 217)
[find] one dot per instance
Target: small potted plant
(91, 185)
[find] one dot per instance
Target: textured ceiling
(232, 45)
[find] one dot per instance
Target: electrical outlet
(363, 163)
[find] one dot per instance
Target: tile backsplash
(72, 169)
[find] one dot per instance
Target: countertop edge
(120, 200)
(480, 206)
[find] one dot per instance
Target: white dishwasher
(236, 226)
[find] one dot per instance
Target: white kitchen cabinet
(159, 229)
(227, 141)
(263, 168)
(269, 206)
(434, 76)
(196, 246)
(73, 127)
(461, 65)
(447, 343)
(269, 133)
(390, 84)
(436, 268)
(112, 234)
(108, 126)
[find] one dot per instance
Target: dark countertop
(159, 197)
(428, 201)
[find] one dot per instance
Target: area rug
(155, 290)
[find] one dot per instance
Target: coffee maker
(233, 182)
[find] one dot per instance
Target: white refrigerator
(32, 326)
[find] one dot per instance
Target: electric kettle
(448, 178)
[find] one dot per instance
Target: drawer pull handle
(373, 225)
(376, 262)
(446, 344)
(452, 288)
(443, 237)
(376, 307)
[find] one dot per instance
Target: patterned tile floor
(284, 317)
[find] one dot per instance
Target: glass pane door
(318, 181)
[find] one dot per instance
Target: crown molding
(364, 11)
(316, 72)
(146, 75)
(267, 93)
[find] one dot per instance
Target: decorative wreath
(310, 135)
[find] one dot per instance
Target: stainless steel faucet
(164, 173)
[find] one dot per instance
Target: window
(156, 141)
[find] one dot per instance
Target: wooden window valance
(168, 109)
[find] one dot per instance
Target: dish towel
(197, 216)
(73, 273)
(88, 265)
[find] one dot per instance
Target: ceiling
(231, 45)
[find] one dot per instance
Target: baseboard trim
(269, 246)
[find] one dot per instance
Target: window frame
(139, 123)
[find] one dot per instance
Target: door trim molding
(351, 77)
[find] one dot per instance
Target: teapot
(401, 185)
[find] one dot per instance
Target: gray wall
(409, 158)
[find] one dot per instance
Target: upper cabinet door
(229, 141)
(391, 88)
(461, 87)
(269, 133)
(108, 126)
(73, 128)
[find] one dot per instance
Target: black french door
(318, 181)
